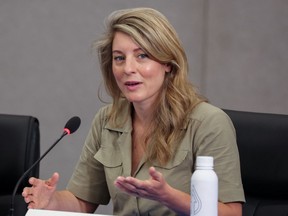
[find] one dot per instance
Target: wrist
(177, 201)
(167, 196)
(52, 202)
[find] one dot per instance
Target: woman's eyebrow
(135, 50)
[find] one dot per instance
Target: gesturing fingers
(155, 175)
(152, 188)
(40, 192)
(139, 188)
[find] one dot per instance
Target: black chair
(263, 147)
(19, 149)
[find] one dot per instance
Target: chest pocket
(112, 162)
(178, 171)
(178, 159)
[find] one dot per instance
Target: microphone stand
(28, 170)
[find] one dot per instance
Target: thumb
(155, 174)
(53, 180)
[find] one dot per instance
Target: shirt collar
(124, 116)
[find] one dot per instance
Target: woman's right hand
(39, 195)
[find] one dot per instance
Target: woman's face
(138, 77)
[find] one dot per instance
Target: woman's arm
(156, 188)
(66, 201)
(180, 203)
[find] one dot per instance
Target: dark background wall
(238, 56)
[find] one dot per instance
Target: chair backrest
(19, 149)
(262, 140)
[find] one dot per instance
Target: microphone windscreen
(72, 125)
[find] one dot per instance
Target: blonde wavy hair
(156, 36)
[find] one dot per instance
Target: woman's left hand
(155, 188)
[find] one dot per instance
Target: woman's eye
(142, 56)
(118, 58)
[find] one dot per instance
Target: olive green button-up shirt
(107, 155)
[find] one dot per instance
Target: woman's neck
(142, 116)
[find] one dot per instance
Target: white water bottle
(204, 188)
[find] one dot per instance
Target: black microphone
(71, 126)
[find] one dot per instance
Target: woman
(141, 149)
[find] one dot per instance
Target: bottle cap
(204, 161)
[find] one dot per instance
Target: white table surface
(37, 212)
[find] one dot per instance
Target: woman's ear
(168, 67)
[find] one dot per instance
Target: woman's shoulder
(206, 110)
(123, 108)
(210, 118)
(104, 113)
(101, 116)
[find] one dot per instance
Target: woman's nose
(130, 65)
